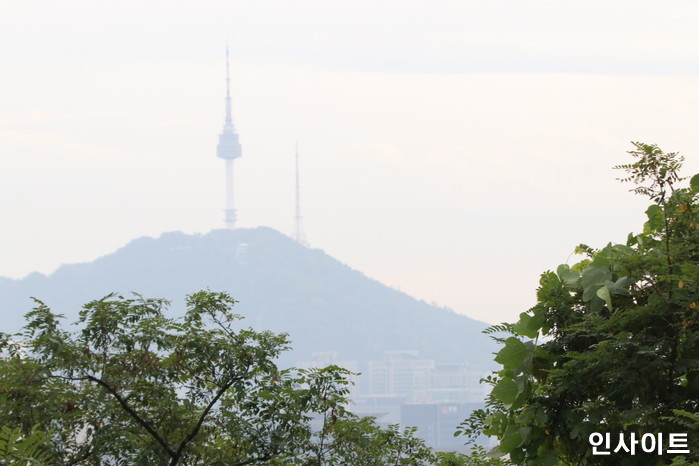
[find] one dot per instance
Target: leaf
(528, 325)
(570, 278)
(506, 391)
(606, 296)
(619, 287)
(542, 362)
(546, 457)
(512, 355)
(549, 285)
(656, 217)
(595, 275)
(583, 249)
(592, 279)
(525, 432)
(694, 183)
(524, 390)
(511, 440)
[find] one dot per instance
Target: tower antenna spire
(229, 113)
(299, 235)
(229, 148)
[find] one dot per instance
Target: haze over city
(452, 150)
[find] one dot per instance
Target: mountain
(281, 286)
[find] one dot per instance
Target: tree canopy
(612, 345)
(133, 386)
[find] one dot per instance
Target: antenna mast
(299, 235)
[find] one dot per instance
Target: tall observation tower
(229, 149)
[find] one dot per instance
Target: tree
(18, 448)
(612, 345)
(136, 387)
(133, 386)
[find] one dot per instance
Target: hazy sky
(452, 149)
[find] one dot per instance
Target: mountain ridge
(280, 285)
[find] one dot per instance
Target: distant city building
(229, 149)
(454, 382)
(400, 373)
(405, 374)
(403, 388)
(437, 422)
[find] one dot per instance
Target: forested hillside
(282, 286)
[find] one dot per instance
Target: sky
(454, 150)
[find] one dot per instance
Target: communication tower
(229, 149)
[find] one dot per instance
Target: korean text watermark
(630, 443)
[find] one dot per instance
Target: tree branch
(128, 409)
(176, 455)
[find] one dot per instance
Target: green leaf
(528, 325)
(656, 218)
(694, 183)
(606, 296)
(506, 391)
(524, 390)
(592, 279)
(496, 452)
(511, 440)
(512, 355)
(570, 278)
(495, 424)
(546, 457)
(525, 432)
(619, 287)
(583, 249)
(595, 275)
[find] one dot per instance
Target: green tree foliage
(612, 345)
(27, 449)
(133, 386)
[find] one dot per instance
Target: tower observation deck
(229, 149)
